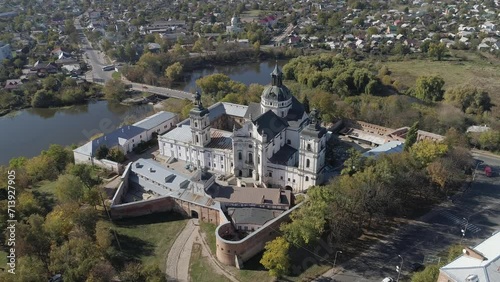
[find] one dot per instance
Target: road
(97, 60)
(421, 240)
(285, 33)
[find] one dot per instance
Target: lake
(29, 131)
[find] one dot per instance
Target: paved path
(179, 256)
(178, 260)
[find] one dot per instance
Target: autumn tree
(276, 258)
(426, 151)
(114, 90)
(469, 99)
(174, 71)
(437, 50)
(429, 88)
(69, 188)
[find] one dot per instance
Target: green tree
(60, 155)
(429, 88)
(411, 136)
(490, 140)
(102, 152)
(437, 50)
(44, 99)
(115, 154)
(115, 90)
(430, 273)
(174, 71)
(469, 99)
(305, 102)
(275, 257)
(69, 188)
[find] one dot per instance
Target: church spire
(277, 76)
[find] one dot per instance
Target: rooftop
(486, 269)
(387, 148)
(249, 195)
(117, 137)
(154, 120)
(255, 216)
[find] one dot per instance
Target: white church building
(273, 144)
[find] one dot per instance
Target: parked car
(388, 279)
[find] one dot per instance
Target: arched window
(239, 156)
(309, 147)
(307, 178)
(308, 163)
(197, 139)
(195, 124)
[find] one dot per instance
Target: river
(29, 131)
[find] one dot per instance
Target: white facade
(270, 144)
(160, 123)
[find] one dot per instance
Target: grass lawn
(149, 238)
(200, 269)
(477, 71)
(3, 259)
(116, 75)
(209, 230)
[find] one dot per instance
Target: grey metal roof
(117, 137)
(270, 124)
(155, 172)
(154, 120)
(277, 93)
(283, 155)
(254, 110)
(181, 133)
(255, 216)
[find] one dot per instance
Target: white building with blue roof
(158, 123)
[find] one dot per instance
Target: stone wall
(161, 204)
(231, 252)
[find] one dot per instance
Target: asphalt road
(477, 207)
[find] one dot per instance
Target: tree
(60, 155)
(469, 99)
(490, 140)
(411, 136)
(174, 71)
(84, 172)
(426, 151)
(429, 88)
(437, 50)
(430, 273)
(115, 154)
(43, 99)
(41, 168)
(275, 257)
(69, 188)
(305, 102)
(115, 90)
(102, 152)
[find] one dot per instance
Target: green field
(200, 269)
(476, 71)
(149, 238)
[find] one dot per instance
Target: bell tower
(199, 122)
(312, 152)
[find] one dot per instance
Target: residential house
(12, 84)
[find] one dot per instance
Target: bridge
(160, 91)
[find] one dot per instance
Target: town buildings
(274, 143)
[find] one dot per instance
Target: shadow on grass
(149, 219)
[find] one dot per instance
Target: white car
(388, 279)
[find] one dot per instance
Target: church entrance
(288, 187)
